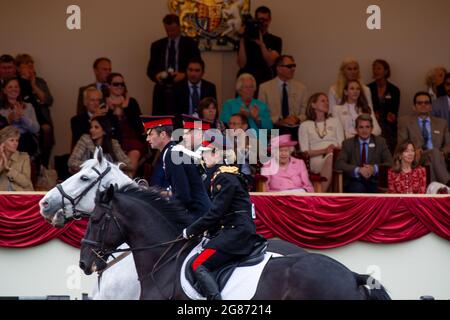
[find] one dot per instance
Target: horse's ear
(98, 154)
(109, 194)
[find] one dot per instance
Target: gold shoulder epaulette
(229, 169)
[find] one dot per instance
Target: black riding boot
(209, 286)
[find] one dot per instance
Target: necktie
(195, 99)
(285, 102)
(171, 59)
(425, 134)
(363, 154)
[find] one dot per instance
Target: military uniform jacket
(230, 214)
(185, 181)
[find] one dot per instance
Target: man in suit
(168, 63)
(441, 106)
(102, 68)
(286, 97)
(7, 68)
(430, 137)
(190, 91)
(81, 123)
(361, 157)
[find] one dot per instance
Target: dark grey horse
(142, 219)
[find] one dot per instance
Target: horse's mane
(172, 210)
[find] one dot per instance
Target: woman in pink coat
(284, 172)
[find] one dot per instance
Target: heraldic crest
(214, 22)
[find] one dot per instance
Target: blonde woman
(319, 136)
(15, 168)
(348, 71)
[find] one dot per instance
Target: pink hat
(284, 140)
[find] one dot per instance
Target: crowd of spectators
(353, 128)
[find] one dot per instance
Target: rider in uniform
(180, 170)
(229, 221)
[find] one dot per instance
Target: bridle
(78, 214)
(101, 251)
(99, 248)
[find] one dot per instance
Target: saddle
(222, 275)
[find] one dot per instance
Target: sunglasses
(118, 84)
(289, 66)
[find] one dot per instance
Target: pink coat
(294, 176)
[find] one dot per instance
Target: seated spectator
(189, 92)
(319, 136)
(361, 156)
(284, 172)
(285, 96)
(386, 101)
(434, 81)
(21, 115)
(127, 111)
(353, 104)
(36, 91)
(349, 71)
(406, 176)
(100, 135)
(209, 110)
(429, 134)
(80, 124)
(244, 144)
(441, 106)
(102, 68)
(7, 68)
(255, 110)
(15, 168)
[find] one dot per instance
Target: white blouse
(347, 115)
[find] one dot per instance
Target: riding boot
(207, 283)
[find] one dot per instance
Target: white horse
(75, 198)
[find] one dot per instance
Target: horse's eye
(84, 178)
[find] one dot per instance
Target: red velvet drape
(322, 222)
(22, 226)
(318, 222)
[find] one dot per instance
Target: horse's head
(74, 198)
(103, 234)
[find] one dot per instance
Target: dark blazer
(163, 99)
(392, 102)
(441, 109)
(187, 49)
(350, 156)
(183, 96)
(408, 129)
(230, 214)
(186, 183)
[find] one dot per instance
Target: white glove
(185, 234)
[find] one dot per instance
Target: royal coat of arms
(214, 22)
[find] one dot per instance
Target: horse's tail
(373, 289)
